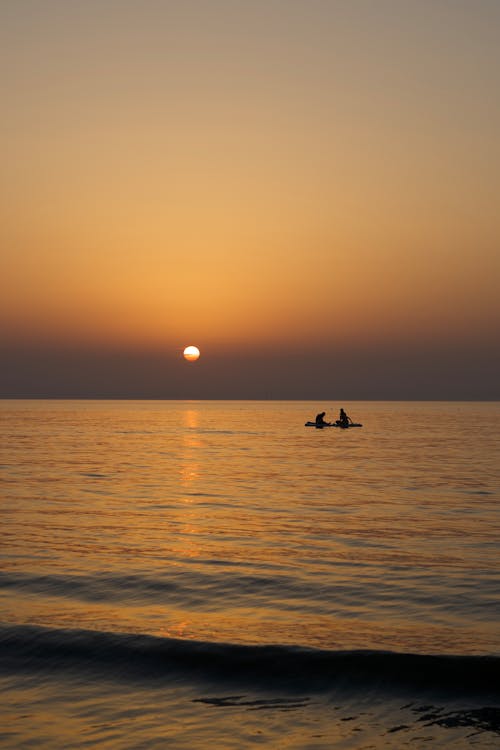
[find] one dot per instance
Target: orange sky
(250, 176)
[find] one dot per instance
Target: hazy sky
(308, 190)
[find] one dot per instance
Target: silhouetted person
(320, 419)
(343, 419)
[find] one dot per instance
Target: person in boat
(320, 418)
(343, 419)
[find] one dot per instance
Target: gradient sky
(307, 190)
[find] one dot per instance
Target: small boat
(333, 424)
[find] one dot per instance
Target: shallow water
(143, 543)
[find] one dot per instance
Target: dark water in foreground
(187, 574)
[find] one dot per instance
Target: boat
(333, 424)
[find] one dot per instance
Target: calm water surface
(153, 552)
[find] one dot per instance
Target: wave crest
(124, 656)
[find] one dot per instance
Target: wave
(204, 590)
(28, 648)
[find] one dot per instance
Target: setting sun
(191, 353)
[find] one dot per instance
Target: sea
(215, 574)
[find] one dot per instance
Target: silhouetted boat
(333, 424)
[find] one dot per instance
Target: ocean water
(193, 574)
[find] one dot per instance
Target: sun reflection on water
(189, 465)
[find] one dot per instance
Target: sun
(191, 353)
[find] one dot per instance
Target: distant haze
(307, 190)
